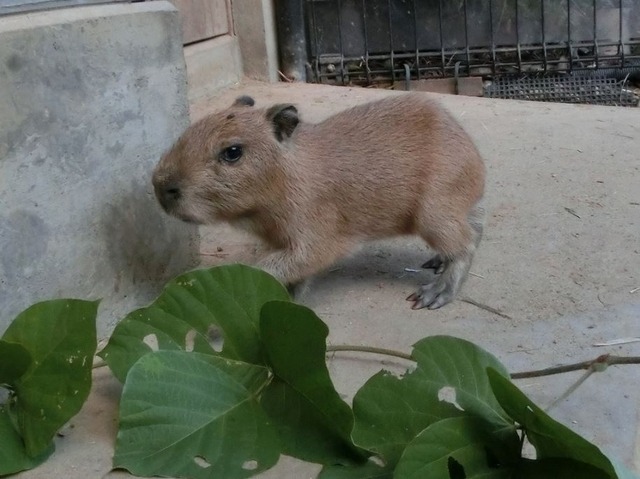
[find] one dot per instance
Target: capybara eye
(232, 154)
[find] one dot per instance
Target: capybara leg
(293, 266)
(436, 263)
(455, 242)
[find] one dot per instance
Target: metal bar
(415, 38)
(315, 55)
(595, 33)
(340, 43)
(292, 40)
(466, 35)
(620, 24)
(569, 47)
(518, 38)
(393, 72)
(544, 38)
(442, 58)
(366, 40)
(493, 39)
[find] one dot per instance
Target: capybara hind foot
(442, 288)
(432, 295)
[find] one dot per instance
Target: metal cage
(366, 42)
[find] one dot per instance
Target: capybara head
(226, 165)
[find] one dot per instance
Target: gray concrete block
(254, 24)
(89, 99)
(212, 65)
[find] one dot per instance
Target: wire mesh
(594, 90)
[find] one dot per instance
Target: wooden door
(203, 19)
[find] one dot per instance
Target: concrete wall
(89, 98)
(254, 25)
(212, 65)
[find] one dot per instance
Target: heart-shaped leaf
(448, 362)
(449, 381)
(13, 457)
(390, 412)
(192, 307)
(14, 362)
(469, 441)
(60, 337)
(551, 439)
(194, 415)
(314, 422)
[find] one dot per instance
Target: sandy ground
(560, 257)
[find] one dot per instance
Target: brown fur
(398, 166)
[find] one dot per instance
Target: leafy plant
(281, 384)
(47, 355)
(455, 415)
(223, 373)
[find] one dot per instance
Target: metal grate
(367, 42)
(594, 90)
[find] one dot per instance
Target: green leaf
(391, 411)
(368, 470)
(452, 362)
(194, 415)
(558, 469)
(551, 439)
(314, 422)
(13, 456)
(60, 336)
(449, 381)
(15, 361)
(469, 441)
(192, 307)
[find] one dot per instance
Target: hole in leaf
(456, 471)
(391, 374)
(201, 462)
(189, 340)
(151, 340)
(528, 449)
(448, 394)
(216, 339)
(377, 460)
(250, 465)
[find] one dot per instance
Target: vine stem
(598, 364)
(595, 365)
(369, 349)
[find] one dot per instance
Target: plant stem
(598, 364)
(369, 349)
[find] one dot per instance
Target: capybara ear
(244, 100)
(284, 118)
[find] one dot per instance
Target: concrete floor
(560, 257)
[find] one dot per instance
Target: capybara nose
(168, 194)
